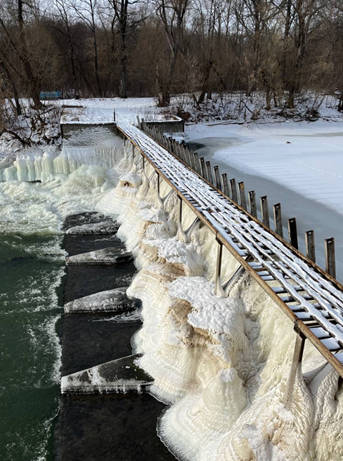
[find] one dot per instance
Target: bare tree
(172, 14)
(86, 10)
(17, 42)
(124, 15)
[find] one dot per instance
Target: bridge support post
(296, 364)
(179, 220)
(218, 287)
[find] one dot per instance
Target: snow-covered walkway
(305, 294)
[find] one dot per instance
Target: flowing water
(31, 272)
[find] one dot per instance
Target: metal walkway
(309, 297)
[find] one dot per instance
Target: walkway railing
(237, 192)
(311, 298)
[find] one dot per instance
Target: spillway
(221, 364)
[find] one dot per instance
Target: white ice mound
(209, 312)
(105, 301)
(173, 251)
(106, 256)
(199, 418)
(130, 180)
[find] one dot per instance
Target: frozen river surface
(299, 164)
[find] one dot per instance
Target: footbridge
(311, 298)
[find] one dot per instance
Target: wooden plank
(330, 258)
(265, 211)
(292, 232)
(278, 219)
(310, 245)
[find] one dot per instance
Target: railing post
(243, 199)
(252, 203)
(203, 168)
(225, 185)
(158, 183)
(292, 232)
(330, 261)
(209, 172)
(219, 269)
(197, 165)
(265, 211)
(296, 363)
(310, 245)
(217, 176)
(278, 219)
(179, 216)
(233, 189)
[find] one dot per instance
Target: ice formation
(105, 301)
(222, 364)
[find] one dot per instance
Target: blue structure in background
(44, 95)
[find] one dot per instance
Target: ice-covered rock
(104, 257)
(117, 376)
(105, 301)
(105, 227)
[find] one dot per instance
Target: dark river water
(31, 269)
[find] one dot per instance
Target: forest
(126, 48)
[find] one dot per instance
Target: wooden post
(179, 217)
(203, 168)
(310, 245)
(242, 195)
(292, 232)
(278, 219)
(217, 176)
(252, 203)
(209, 172)
(296, 363)
(330, 260)
(225, 185)
(265, 211)
(189, 157)
(218, 268)
(193, 164)
(233, 189)
(158, 183)
(197, 165)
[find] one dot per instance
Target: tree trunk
(123, 79)
(32, 81)
(96, 64)
(11, 81)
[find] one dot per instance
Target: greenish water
(31, 269)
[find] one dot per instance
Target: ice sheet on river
(105, 301)
(105, 257)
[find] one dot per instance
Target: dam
(243, 363)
